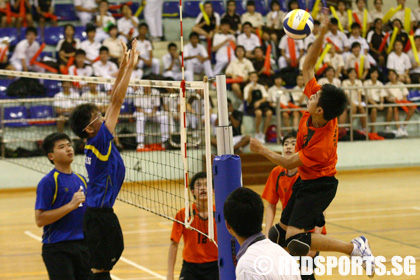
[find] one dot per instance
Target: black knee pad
(300, 244)
(277, 235)
(100, 276)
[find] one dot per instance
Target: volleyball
(298, 24)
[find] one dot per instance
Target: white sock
(355, 251)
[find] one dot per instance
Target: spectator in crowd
(286, 59)
(144, 46)
(104, 68)
(402, 35)
(80, 68)
(198, 111)
(397, 95)
(42, 9)
(355, 36)
(67, 47)
(353, 61)
(4, 47)
(147, 102)
(251, 16)
(339, 39)
(355, 97)
(415, 69)
(299, 98)
(270, 38)
(86, 10)
(3, 17)
(153, 16)
(334, 60)
(90, 46)
(222, 46)
(113, 44)
(232, 17)
(239, 68)
(311, 37)
(275, 18)
(358, 14)
(64, 102)
(374, 39)
(292, 5)
(15, 8)
(172, 65)
(196, 57)
(400, 14)
(248, 39)
(377, 13)
(104, 20)
(375, 96)
(400, 62)
(258, 63)
(127, 24)
(293, 99)
(258, 105)
(93, 95)
(205, 30)
(330, 78)
(278, 92)
(342, 14)
(24, 51)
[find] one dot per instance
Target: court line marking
(416, 208)
(146, 231)
(371, 210)
(371, 217)
(140, 267)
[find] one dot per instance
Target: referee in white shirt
(244, 211)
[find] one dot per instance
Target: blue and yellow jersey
(55, 190)
(106, 170)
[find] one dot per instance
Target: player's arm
(313, 53)
(120, 87)
(270, 213)
(173, 250)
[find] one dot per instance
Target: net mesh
(148, 133)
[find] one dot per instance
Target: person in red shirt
(199, 254)
(315, 158)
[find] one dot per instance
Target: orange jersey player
(315, 157)
(199, 254)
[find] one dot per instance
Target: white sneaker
(400, 132)
(362, 249)
(404, 131)
(388, 128)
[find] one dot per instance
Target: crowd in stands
(261, 63)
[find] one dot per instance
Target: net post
(227, 177)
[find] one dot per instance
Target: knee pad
(100, 276)
(277, 235)
(300, 244)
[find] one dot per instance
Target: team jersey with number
(197, 248)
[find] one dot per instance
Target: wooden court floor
(384, 205)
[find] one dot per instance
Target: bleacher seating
(16, 113)
(261, 7)
(65, 12)
(240, 9)
(22, 35)
(171, 9)
(80, 33)
(52, 86)
(10, 34)
(191, 9)
(53, 34)
(3, 87)
(218, 7)
(41, 112)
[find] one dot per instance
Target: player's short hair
(342, 1)
(79, 52)
(355, 25)
(103, 49)
(31, 30)
(143, 24)
(317, 22)
(333, 101)
(197, 176)
(172, 44)
(250, 3)
(49, 142)
(292, 134)
(194, 34)
(334, 21)
(355, 45)
(80, 118)
(244, 211)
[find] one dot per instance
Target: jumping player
(315, 158)
(106, 171)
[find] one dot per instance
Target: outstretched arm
(313, 53)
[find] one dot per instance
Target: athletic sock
(355, 251)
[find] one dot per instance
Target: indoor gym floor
(382, 204)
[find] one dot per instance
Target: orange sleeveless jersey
(317, 147)
(197, 248)
(279, 187)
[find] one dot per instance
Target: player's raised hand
(78, 197)
(256, 146)
(124, 59)
(134, 58)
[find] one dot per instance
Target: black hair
(329, 68)
(233, 1)
(273, 3)
(143, 24)
(375, 1)
(342, 1)
(292, 134)
(372, 70)
(398, 40)
(317, 22)
(376, 21)
(80, 52)
(244, 211)
(355, 45)
(90, 28)
(289, 5)
(106, 1)
(355, 25)
(31, 30)
(357, 1)
(397, 19)
(199, 175)
(253, 72)
(392, 71)
(351, 70)
(49, 142)
(194, 34)
(172, 44)
(250, 3)
(80, 118)
(103, 49)
(417, 36)
(258, 48)
(334, 21)
(112, 26)
(69, 25)
(333, 101)
(207, 2)
(239, 47)
(224, 21)
(247, 23)
(229, 101)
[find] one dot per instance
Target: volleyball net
(163, 134)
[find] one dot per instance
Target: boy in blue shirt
(59, 208)
(106, 171)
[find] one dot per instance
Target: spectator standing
(90, 46)
(104, 20)
(153, 16)
(113, 44)
(377, 12)
(415, 69)
(86, 10)
(42, 8)
(223, 43)
(127, 24)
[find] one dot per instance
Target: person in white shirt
(377, 13)
(222, 46)
(251, 16)
(80, 68)
(172, 65)
(64, 102)
(205, 30)
(311, 37)
(105, 68)
(415, 69)
(401, 14)
(24, 51)
(339, 39)
(400, 62)
(243, 211)
(93, 95)
(330, 78)
(248, 40)
(113, 44)
(355, 36)
(277, 91)
(144, 46)
(359, 11)
(395, 95)
(153, 16)
(355, 97)
(285, 58)
(85, 10)
(275, 17)
(90, 46)
(354, 60)
(147, 103)
(342, 14)
(335, 61)
(127, 24)
(258, 104)
(103, 21)
(240, 67)
(375, 96)
(196, 58)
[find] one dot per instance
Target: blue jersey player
(106, 171)
(59, 208)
